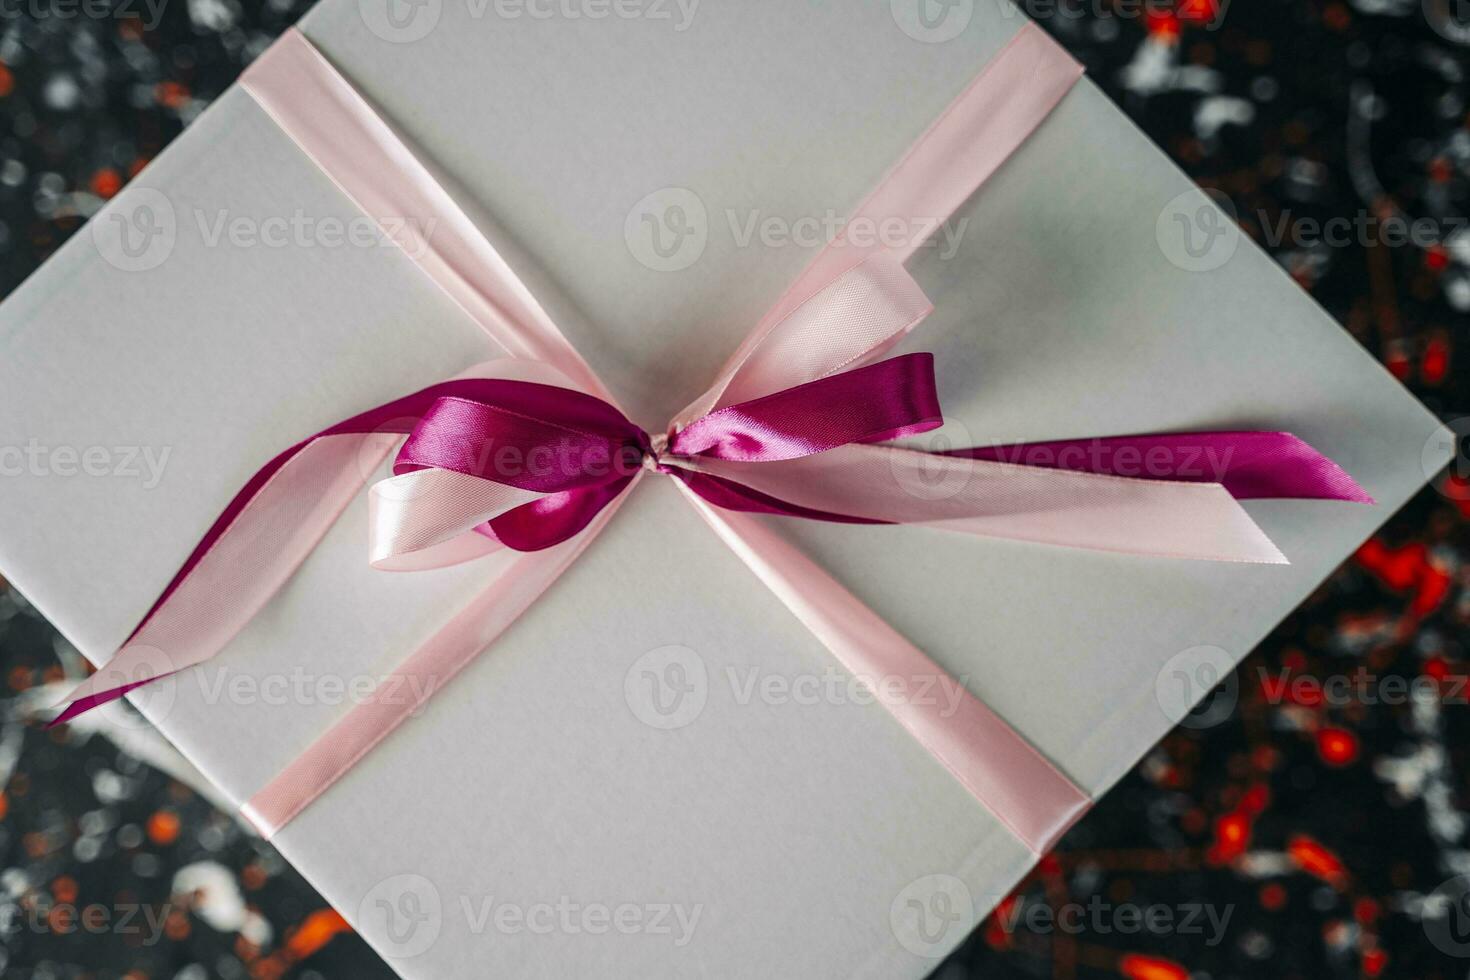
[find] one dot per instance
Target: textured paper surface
(800, 832)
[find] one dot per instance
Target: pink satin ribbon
(734, 449)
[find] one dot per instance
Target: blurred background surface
(1303, 819)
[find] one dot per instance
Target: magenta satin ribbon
(530, 453)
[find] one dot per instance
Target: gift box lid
(767, 832)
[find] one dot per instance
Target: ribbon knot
(653, 456)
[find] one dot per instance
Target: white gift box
(541, 817)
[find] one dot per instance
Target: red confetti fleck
(1436, 361)
(1162, 26)
(1137, 967)
(1273, 897)
(1337, 746)
(163, 827)
(1232, 837)
(997, 936)
(318, 929)
(1317, 860)
(106, 183)
(171, 94)
(1199, 11)
(1406, 568)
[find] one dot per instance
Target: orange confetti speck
(1199, 11)
(1136, 967)
(65, 889)
(1163, 26)
(318, 930)
(1232, 837)
(176, 926)
(106, 182)
(171, 94)
(163, 827)
(1317, 860)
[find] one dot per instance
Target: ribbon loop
(887, 400)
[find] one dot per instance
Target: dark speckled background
(1303, 835)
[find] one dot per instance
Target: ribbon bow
(544, 460)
